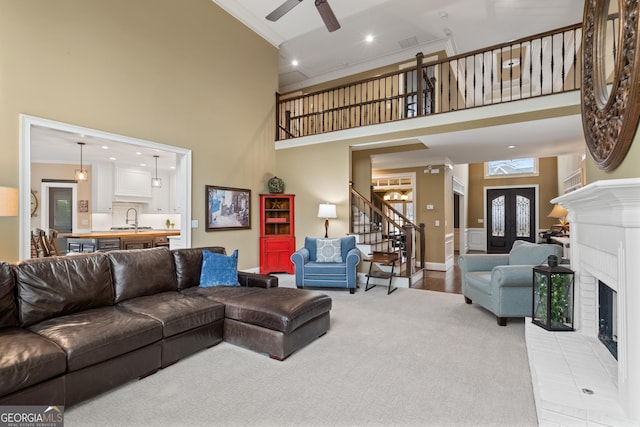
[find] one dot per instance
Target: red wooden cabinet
(277, 233)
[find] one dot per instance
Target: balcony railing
(539, 65)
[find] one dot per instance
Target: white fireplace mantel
(614, 202)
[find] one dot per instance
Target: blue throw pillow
(219, 269)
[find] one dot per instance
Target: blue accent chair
(310, 273)
(503, 283)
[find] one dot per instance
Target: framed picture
(227, 208)
(83, 206)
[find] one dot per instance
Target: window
(511, 167)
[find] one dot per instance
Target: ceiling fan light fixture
(510, 63)
(327, 15)
(281, 10)
(330, 20)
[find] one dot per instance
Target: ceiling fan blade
(281, 10)
(327, 15)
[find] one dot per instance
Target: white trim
(477, 240)
(44, 203)
(183, 173)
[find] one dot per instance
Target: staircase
(387, 241)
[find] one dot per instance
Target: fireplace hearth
(603, 355)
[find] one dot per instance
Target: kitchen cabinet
(101, 187)
(92, 244)
(159, 197)
(137, 242)
(163, 198)
(132, 185)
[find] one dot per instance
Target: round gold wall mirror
(610, 91)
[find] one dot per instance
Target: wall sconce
(156, 182)
(326, 211)
(560, 213)
(81, 174)
(8, 201)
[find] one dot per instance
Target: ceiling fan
(323, 7)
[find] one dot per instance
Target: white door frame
(183, 174)
(44, 203)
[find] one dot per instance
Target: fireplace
(608, 318)
(595, 371)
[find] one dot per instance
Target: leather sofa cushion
(188, 264)
(141, 272)
(220, 294)
(257, 280)
(177, 312)
(99, 334)
(27, 359)
(8, 310)
(58, 286)
(280, 309)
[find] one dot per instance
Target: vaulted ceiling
(400, 29)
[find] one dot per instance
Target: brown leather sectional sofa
(73, 327)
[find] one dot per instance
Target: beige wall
(317, 174)
(630, 167)
(174, 72)
(546, 180)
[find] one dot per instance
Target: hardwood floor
(442, 281)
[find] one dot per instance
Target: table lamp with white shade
(326, 211)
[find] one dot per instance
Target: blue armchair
(323, 271)
(503, 283)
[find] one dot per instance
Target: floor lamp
(326, 211)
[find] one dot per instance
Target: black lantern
(553, 296)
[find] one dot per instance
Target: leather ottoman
(276, 321)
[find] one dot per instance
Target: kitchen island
(116, 239)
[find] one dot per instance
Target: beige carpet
(412, 358)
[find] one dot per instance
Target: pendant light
(81, 174)
(156, 182)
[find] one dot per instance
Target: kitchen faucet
(134, 221)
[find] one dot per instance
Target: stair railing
(417, 232)
(388, 230)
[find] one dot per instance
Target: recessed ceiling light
(369, 38)
(512, 146)
(105, 147)
(112, 158)
(143, 164)
(294, 62)
(138, 153)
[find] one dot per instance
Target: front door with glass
(510, 217)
